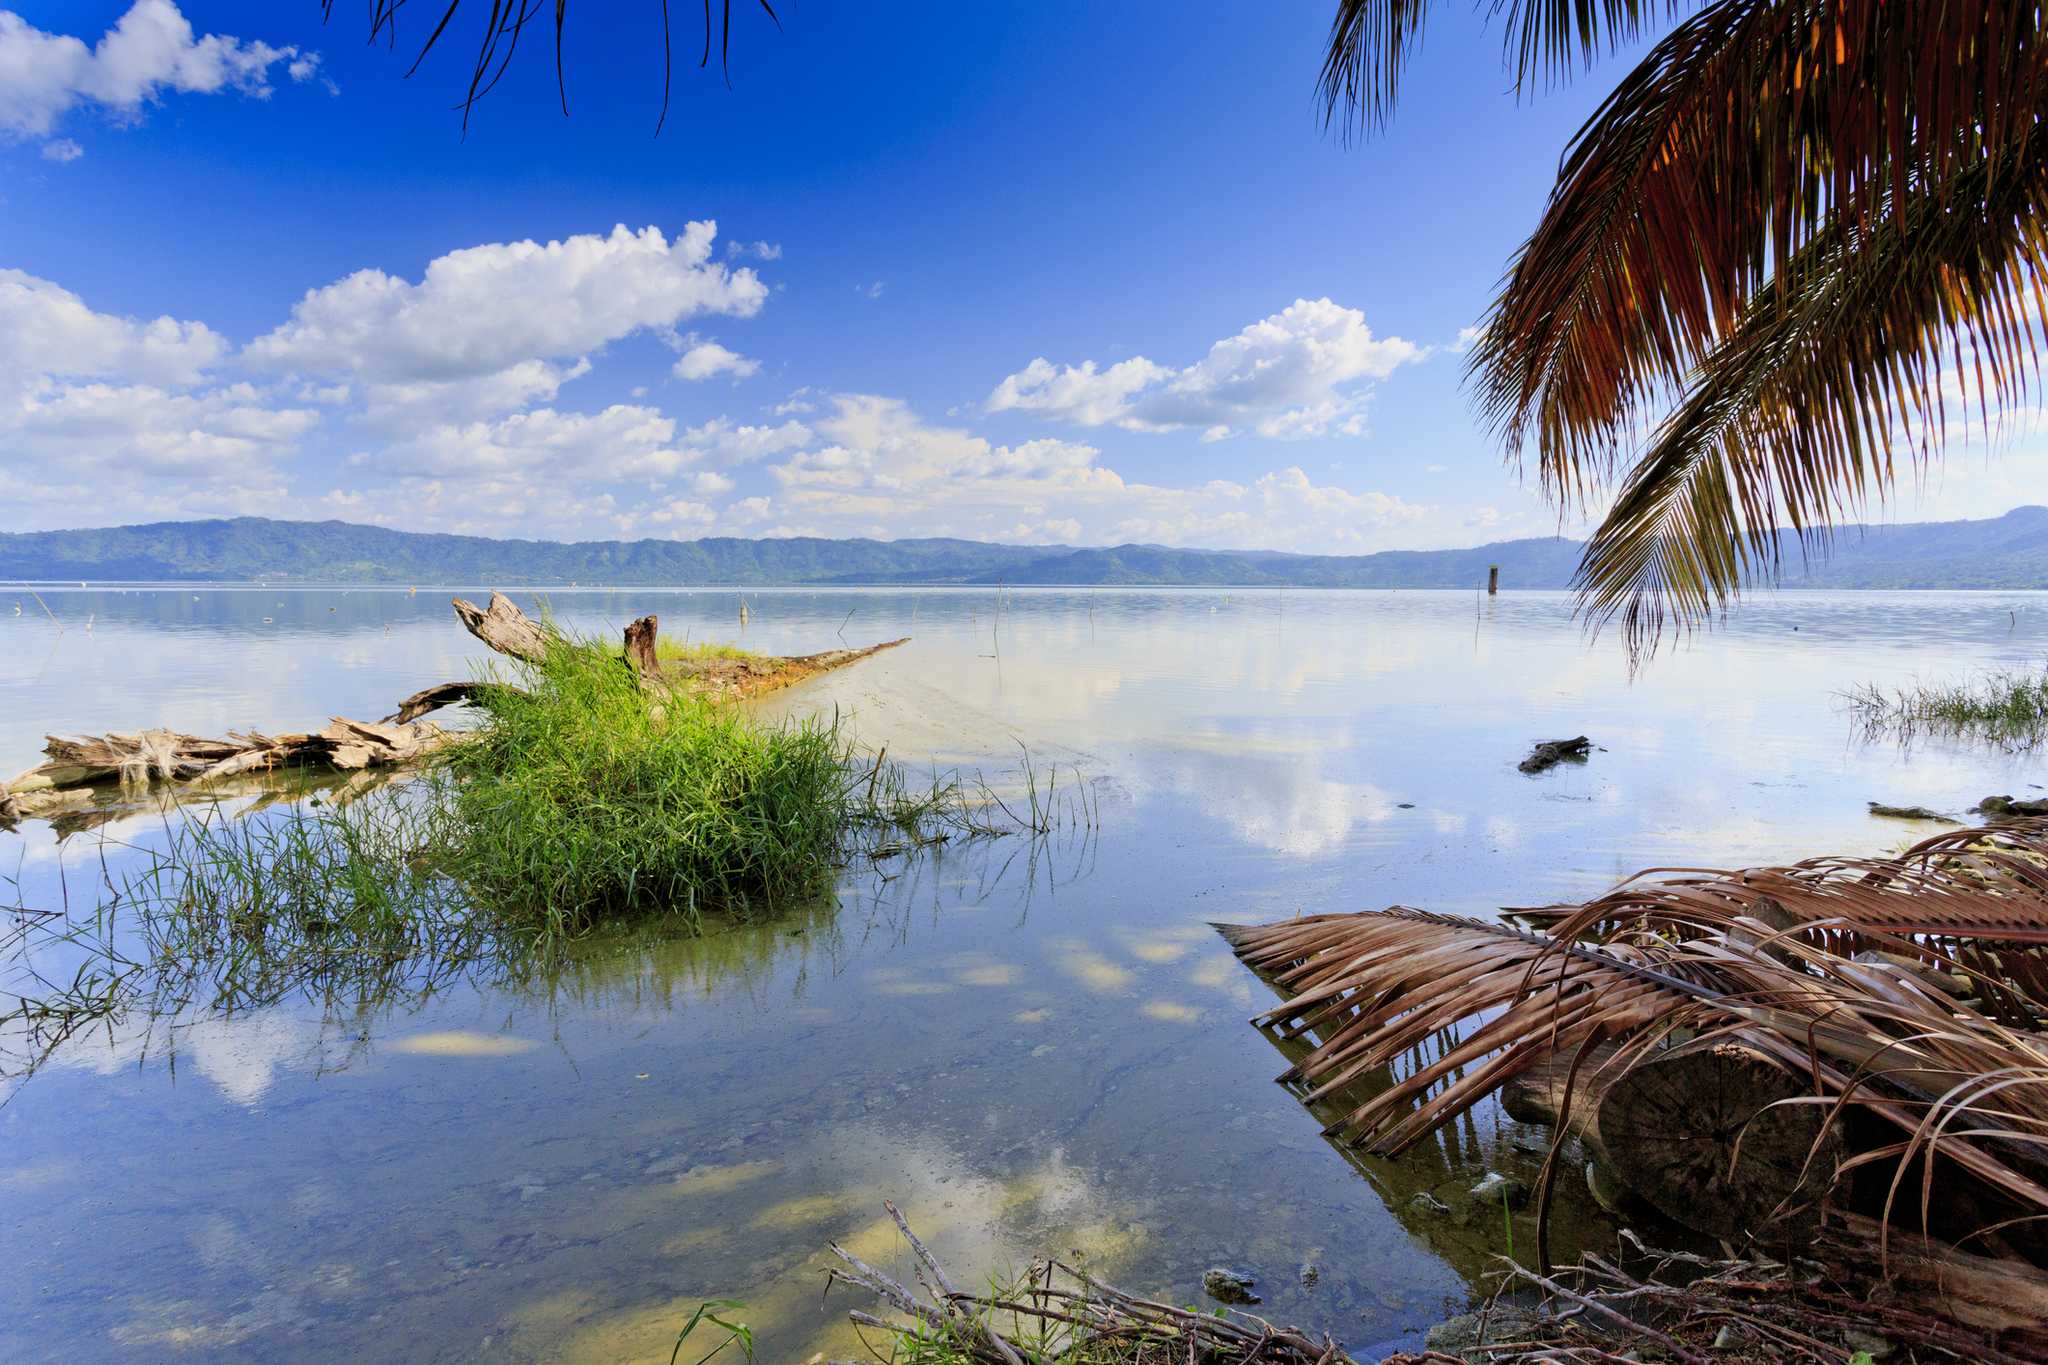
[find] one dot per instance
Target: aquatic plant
(582, 800)
(2005, 708)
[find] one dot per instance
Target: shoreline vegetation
(601, 788)
(114, 770)
(2003, 708)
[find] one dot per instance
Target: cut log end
(1701, 1134)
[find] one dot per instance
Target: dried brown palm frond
(1368, 988)
(1973, 900)
(1788, 218)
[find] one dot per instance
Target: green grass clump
(582, 802)
(2005, 708)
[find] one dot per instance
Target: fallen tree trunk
(140, 757)
(1702, 1134)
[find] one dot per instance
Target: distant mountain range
(2006, 552)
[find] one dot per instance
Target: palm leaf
(1371, 42)
(1685, 958)
(1794, 419)
(1971, 900)
(1754, 129)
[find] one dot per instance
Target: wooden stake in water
(1492, 580)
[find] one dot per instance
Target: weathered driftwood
(506, 629)
(138, 758)
(1549, 753)
(729, 677)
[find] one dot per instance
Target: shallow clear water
(1028, 1048)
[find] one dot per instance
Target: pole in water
(1492, 580)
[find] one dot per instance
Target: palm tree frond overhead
(1772, 180)
(1371, 42)
(504, 23)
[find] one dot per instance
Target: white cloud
(500, 317)
(760, 251)
(62, 151)
(872, 290)
(150, 51)
(706, 359)
(122, 416)
(726, 443)
(622, 442)
(1302, 372)
(885, 472)
(48, 330)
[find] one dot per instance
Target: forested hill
(2006, 552)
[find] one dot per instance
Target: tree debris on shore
(1058, 1314)
(134, 760)
(1549, 753)
(1752, 1054)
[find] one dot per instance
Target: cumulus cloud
(727, 442)
(150, 51)
(1303, 372)
(126, 417)
(46, 329)
(622, 442)
(502, 318)
(882, 470)
(708, 359)
(62, 151)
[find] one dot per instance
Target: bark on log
(2001, 1295)
(430, 699)
(1693, 1133)
(505, 628)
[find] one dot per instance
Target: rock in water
(1909, 813)
(1494, 1188)
(2011, 805)
(1228, 1286)
(1549, 753)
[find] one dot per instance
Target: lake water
(1027, 1046)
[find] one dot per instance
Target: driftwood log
(139, 758)
(1697, 1132)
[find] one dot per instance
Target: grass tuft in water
(2004, 708)
(581, 801)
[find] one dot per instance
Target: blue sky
(1081, 273)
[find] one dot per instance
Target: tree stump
(1694, 1132)
(643, 653)
(1691, 1133)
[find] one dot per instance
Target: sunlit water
(1029, 1048)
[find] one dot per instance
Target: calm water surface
(1027, 1047)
